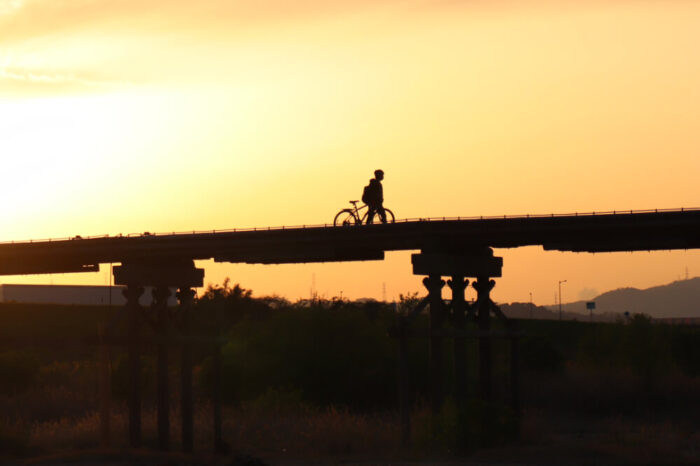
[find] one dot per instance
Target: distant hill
(677, 299)
(525, 311)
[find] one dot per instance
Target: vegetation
(317, 379)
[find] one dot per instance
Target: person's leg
(382, 213)
(371, 210)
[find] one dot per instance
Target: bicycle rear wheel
(344, 218)
(389, 216)
(376, 218)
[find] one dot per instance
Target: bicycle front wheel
(344, 218)
(376, 218)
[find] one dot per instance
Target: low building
(74, 294)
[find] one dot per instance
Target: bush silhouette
(340, 356)
(539, 354)
(18, 369)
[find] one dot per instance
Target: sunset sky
(132, 116)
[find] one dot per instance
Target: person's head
(379, 174)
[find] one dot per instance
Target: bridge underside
(580, 233)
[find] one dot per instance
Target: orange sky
(133, 116)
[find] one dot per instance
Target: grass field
(318, 383)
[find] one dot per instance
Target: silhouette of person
(375, 197)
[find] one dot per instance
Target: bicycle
(352, 216)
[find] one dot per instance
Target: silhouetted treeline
(337, 351)
(326, 351)
(528, 311)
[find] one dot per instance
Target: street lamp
(560, 282)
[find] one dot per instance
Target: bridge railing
(327, 225)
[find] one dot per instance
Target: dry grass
(327, 433)
(614, 414)
(651, 441)
(298, 433)
(338, 434)
(573, 414)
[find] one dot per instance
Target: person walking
(373, 196)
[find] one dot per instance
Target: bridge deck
(599, 232)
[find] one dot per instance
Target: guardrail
(327, 225)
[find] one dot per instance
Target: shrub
(13, 441)
(538, 354)
(640, 345)
(686, 350)
(120, 376)
(331, 356)
(461, 430)
(18, 369)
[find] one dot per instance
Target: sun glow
(119, 117)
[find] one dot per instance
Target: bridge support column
(186, 295)
(459, 306)
(515, 368)
(483, 287)
(162, 326)
(133, 293)
(161, 276)
(477, 262)
(404, 404)
(219, 446)
(434, 285)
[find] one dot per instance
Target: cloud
(44, 78)
(13, 81)
(26, 19)
(588, 293)
(92, 44)
(10, 6)
(52, 44)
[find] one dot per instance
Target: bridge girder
(583, 233)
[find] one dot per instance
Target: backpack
(367, 194)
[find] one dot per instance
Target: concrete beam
(477, 264)
(159, 275)
(45, 267)
(304, 255)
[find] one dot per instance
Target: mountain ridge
(680, 298)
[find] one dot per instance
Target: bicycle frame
(357, 211)
(359, 215)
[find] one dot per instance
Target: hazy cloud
(64, 43)
(45, 78)
(28, 82)
(24, 19)
(588, 293)
(10, 6)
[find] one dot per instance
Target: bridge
(449, 247)
(592, 232)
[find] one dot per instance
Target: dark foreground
(315, 383)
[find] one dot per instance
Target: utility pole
(560, 282)
(312, 293)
